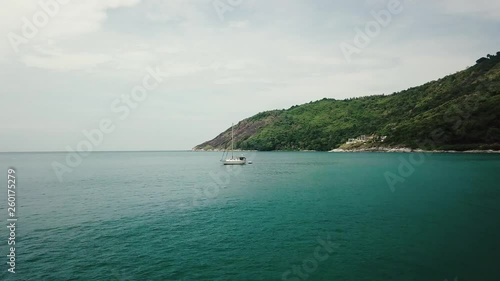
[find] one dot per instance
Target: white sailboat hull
(234, 162)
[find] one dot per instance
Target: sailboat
(234, 160)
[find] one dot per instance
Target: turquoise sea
(288, 216)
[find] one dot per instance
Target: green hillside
(459, 111)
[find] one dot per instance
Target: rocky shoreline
(365, 149)
(408, 150)
(371, 149)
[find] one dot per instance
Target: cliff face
(459, 111)
(243, 130)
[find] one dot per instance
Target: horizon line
(64, 151)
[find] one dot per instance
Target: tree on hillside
(481, 60)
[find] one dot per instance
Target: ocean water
(288, 216)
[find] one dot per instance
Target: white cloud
(65, 62)
(175, 10)
(183, 69)
(317, 60)
(486, 9)
(64, 21)
(79, 17)
(265, 55)
(239, 64)
(229, 80)
(238, 24)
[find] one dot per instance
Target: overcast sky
(220, 61)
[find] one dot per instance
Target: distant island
(459, 112)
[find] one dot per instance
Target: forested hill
(460, 112)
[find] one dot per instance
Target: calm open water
(288, 216)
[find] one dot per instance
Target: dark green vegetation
(459, 111)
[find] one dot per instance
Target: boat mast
(232, 141)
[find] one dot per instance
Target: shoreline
(371, 149)
(408, 150)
